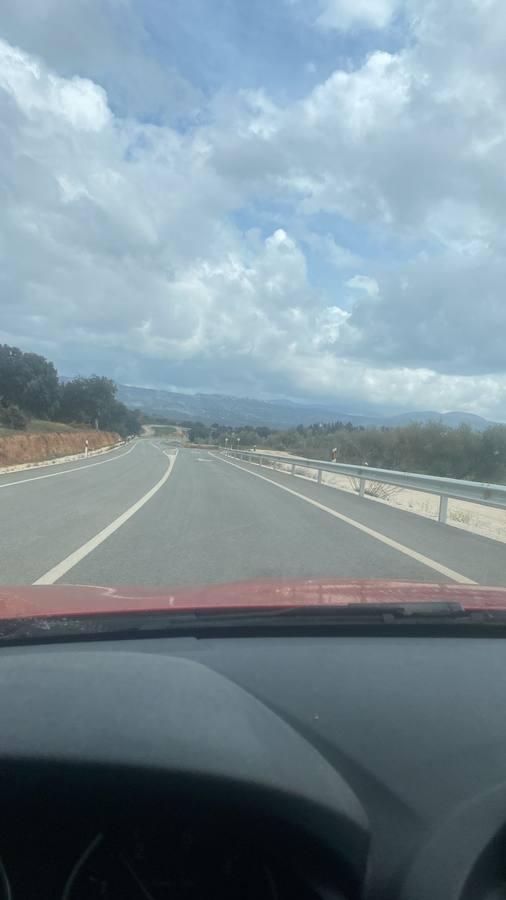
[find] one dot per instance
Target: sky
(285, 198)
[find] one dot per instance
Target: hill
(235, 411)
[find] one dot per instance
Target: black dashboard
(281, 767)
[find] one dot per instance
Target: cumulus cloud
(412, 142)
(78, 102)
(106, 41)
(346, 14)
(120, 242)
(115, 235)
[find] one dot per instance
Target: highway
(152, 514)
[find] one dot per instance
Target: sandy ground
(483, 520)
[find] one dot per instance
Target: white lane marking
(70, 561)
(69, 471)
(401, 548)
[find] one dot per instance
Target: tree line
(31, 388)
(431, 448)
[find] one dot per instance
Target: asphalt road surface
(149, 514)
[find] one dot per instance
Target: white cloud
(364, 284)
(119, 244)
(116, 236)
(412, 388)
(78, 101)
(357, 104)
(343, 15)
(108, 42)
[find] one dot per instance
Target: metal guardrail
(446, 488)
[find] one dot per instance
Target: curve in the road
(70, 561)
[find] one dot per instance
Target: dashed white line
(377, 535)
(70, 561)
(102, 462)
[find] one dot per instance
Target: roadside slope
(27, 447)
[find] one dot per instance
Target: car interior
(290, 766)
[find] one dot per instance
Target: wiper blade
(365, 610)
(253, 620)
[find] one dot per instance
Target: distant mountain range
(235, 411)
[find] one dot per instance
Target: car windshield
(252, 303)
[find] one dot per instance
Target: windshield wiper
(250, 621)
(362, 610)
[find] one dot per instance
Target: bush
(28, 380)
(12, 417)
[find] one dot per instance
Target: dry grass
(374, 488)
(39, 426)
(42, 426)
(164, 430)
(26, 447)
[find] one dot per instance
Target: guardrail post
(443, 509)
(493, 495)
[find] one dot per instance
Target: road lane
(213, 522)
(42, 521)
(478, 558)
(70, 561)
(441, 569)
(220, 524)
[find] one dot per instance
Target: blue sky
(283, 198)
(242, 44)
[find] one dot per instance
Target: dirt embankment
(36, 447)
(193, 446)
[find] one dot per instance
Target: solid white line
(70, 561)
(377, 535)
(70, 471)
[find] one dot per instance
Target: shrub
(12, 417)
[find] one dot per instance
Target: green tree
(122, 419)
(93, 401)
(198, 433)
(28, 381)
(88, 400)
(491, 464)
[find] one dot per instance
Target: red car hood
(69, 600)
